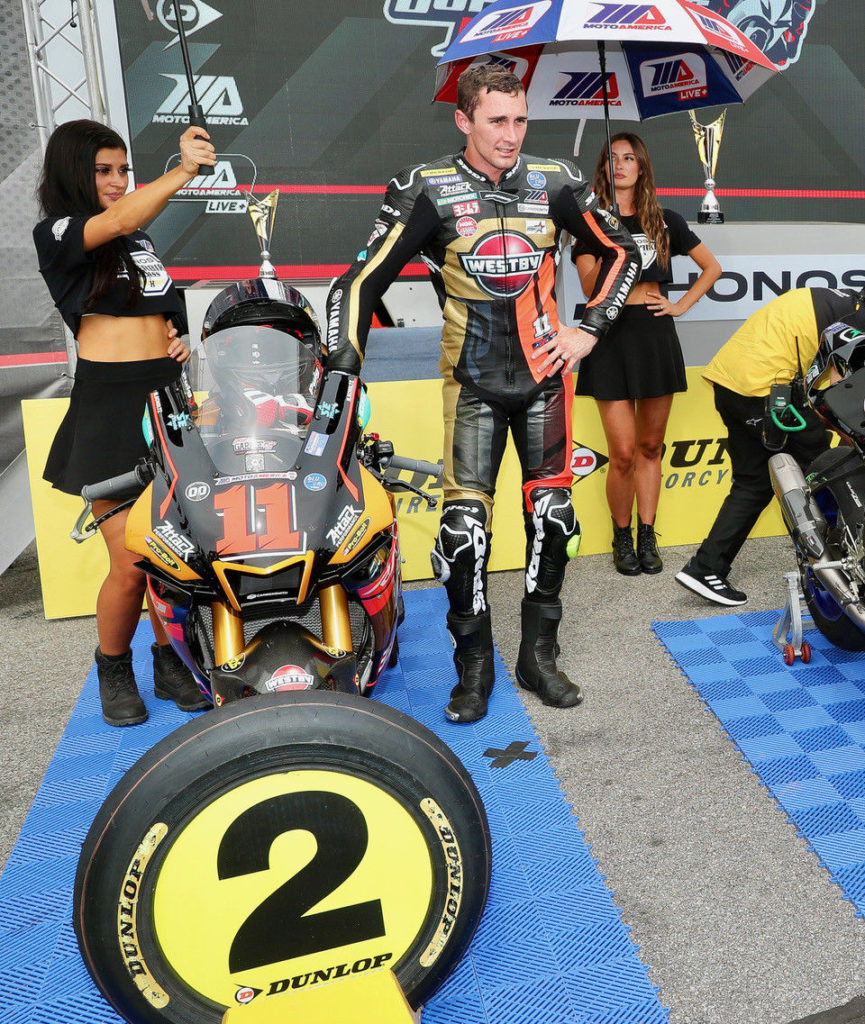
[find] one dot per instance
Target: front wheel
(277, 843)
(828, 615)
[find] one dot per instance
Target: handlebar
(432, 469)
(125, 487)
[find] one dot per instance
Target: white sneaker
(709, 585)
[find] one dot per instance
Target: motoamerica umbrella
(603, 58)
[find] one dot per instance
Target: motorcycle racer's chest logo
(503, 264)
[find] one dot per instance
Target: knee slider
(461, 539)
(553, 511)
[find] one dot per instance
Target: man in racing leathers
(487, 222)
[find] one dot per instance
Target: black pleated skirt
(101, 434)
(639, 357)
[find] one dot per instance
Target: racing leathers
(492, 249)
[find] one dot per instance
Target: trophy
(262, 212)
(708, 139)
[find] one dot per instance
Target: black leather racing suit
(492, 250)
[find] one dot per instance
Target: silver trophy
(708, 139)
(262, 212)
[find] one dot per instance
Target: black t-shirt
(682, 241)
(68, 272)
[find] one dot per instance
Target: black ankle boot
(536, 662)
(473, 658)
(172, 680)
(121, 703)
(624, 557)
(647, 548)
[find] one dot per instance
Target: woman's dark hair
(649, 212)
(67, 188)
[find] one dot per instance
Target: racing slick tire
(276, 843)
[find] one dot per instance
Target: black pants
(751, 490)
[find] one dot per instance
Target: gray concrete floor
(732, 912)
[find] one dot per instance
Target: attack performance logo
(585, 460)
(503, 264)
(777, 27)
(195, 15)
(451, 15)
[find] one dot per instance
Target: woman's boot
(121, 702)
(647, 548)
(172, 680)
(624, 557)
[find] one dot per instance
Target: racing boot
(172, 680)
(121, 702)
(647, 548)
(473, 657)
(624, 557)
(536, 661)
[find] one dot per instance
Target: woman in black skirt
(117, 299)
(634, 371)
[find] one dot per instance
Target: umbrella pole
(196, 114)
(602, 56)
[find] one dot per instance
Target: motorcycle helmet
(264, 302)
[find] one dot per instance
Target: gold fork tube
(335, 621)
(228, 640)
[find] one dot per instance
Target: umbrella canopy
(597, 58)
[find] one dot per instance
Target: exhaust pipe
(808, 527)
(804, 520)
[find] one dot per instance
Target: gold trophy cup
(708, 139)
(263, 212)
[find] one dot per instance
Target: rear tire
(276, 843)
(828, 615)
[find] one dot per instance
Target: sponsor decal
(536, 180)
(147, 244)
(252, 444)
(459, 189)
(314, 482)
(454, 861)
(344, 522)
(182, 546)
(246, 994)
(177, 421)
(533, 208)
(683, 74)
(59, 228)
(155, 277)
(499, 197)
(467, 227)
(367, 963)
(218, 95)
(385, 208)
(618, 16)
(536, 227)
(326, 411)
(197, 491)
(194, 14)
(543, 167)
(441, 172)
(698, 462)
(243, 477)
(289, 677)
(452, 179)
(585, 460)
(233, 664)
(379, 230)
(161, 553)
(507, 24)
(220, 191)
(717, 27)
(316, 443)
(503, 263)
(536, 195)
(586, 89)
(357, 537)
(466, 209)
(333, 318)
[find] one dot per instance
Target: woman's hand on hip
(661, 305)
(176, 349)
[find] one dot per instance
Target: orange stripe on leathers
(526, 308)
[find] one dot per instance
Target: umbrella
(603, 58)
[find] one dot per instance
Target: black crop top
(68, 272)
(682, 241)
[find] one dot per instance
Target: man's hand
(564, 350)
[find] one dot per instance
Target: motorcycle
(824, 505)
(263, 514)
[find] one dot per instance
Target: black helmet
(264, 302)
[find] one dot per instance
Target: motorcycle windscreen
(257, 389)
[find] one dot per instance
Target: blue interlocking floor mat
(550, 948)
(802, 728)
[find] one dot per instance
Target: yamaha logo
(503, 264)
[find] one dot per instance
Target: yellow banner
(696, 479)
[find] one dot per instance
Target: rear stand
(794, 619)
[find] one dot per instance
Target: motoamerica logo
(683, 74)
(586, 88)
(503, 264)
(451, 15)
(619, 16)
